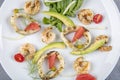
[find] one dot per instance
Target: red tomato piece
(19, 57)
(85, 77)
(33, 26)
(51, 60)
(78, 34)
(98, 18)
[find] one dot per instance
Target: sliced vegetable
(14, 38)
(51, 60)
(90, 49)
(46, 20)
(68, 22)
(98, 18)
(19, 57)
(78, 34)
(68, 7)
(49, 46)
(33, 26)
(85, 77)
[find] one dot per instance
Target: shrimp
(28, 50)
(48, 36)
(81, 66)
(56, 72)
(32, 7)
(104, 48)
(86, 16)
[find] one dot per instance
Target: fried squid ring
(56, 72)
(16, 28)
(32, 7)
(68, 30)
(81, 66)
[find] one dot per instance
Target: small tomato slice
(78, 34)
(85, 77)
(98, 18)
(33, 26)
(51, 60)
(19, 57)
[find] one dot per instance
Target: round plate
(102, 63)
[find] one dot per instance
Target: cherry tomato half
(33, 26)
(19, 57)
(51, 60)
(78, 34)
(98, 18)
(85, 77)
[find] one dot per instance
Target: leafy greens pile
(64, 7)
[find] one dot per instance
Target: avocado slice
(68, 22)
(92, 48)
(49, 46)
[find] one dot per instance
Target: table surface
(115, 74)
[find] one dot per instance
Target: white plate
(102, 63)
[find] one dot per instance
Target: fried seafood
(86, 16)
(28, 50)
(27, 17)
(81, 66)
(32, 7)
(53, 74)
(104, 48)
(102, 37)
(68, 30)
(48, 36)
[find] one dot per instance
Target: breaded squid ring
(56, 72)
(86, 16)
(16, 28)
(81, 66)
(68, 30)
(32, 7)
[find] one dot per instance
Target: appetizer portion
(79, 32)
(99, 42)
(80, 42)
(38, 54)
(82, 68)
(32, 27)
(54, 71)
